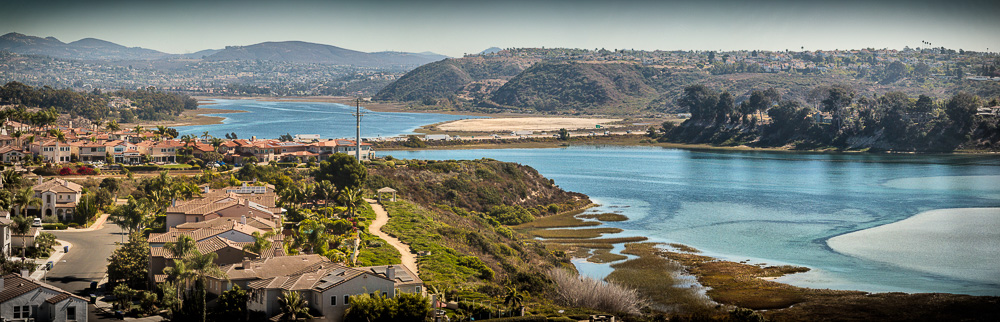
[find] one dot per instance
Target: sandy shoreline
(962, 243)
(524, 124)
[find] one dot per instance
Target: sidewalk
(54, 258)
(98, 224)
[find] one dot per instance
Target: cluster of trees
(840, 117)
(149, 103)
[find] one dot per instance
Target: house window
(418, 289)
(22, 312)
(385, 294)
(347, 299)
(333, 300)
(71, 313)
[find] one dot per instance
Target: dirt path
(381, 218)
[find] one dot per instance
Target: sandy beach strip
(524, 124)
(963, 243)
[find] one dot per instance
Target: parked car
(37, 222)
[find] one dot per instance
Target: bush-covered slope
(445, 78)
(550, 86)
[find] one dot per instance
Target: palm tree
(58, 135)
(205, 135)
(217, 142)
(352, 199)
(260, 243)
(162, 130)
(97, 125)
(514, 299)
(181, 274)
(25, 198)
(188, 139)
(325, 190)
(22, 225)
(17, 138)
(293, 306)
(182, 247)
(203, 266)
(113, 126)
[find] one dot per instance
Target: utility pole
(358, 114)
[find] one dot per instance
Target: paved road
(86, 261)
(381, 218)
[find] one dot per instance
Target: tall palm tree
(162, 130)
(25, 198)
(217, 142)
(182, 247)
(22, 225)
(181, 275)
(205, 135)
(97, 125)
(17, 138)
(188, 139)
(325, 190)
(58, 135)
(293, 306)
(203, 266)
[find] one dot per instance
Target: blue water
(774, 208)
(330, 120)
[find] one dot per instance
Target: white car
(37, 222)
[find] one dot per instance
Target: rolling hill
(449, 77)
(305, 52)
(549, 86)
(83, 49)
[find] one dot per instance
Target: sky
(455, 28)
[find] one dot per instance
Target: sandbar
(524, 124)
(962, 243)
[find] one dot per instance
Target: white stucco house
(25, 299)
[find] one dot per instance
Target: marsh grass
(655, 277)
(684, 248)
(574, 233)
(605, 217)
(563, 220)
(601, 256)
(582, 291)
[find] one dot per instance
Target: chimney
(243, 220)
(390, 272)
(246, 263)
(39, 179)
(25, 274)
(1, 283)
(206, 189)
(173, 203)
(244, 184)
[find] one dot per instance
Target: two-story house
(91, 151)
(25, 299)
(59, 197)
(53, 150)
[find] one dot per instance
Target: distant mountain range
(287, 51)
(305, 52)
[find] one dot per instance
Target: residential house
(326, 148)
(25, 299)
(59, 197)
(229, 251)
(234, 202)
(18, 240)
(53, 150)
(91, 151)
(125, 152)
(11, 154)
(5, 230)
(327, 286)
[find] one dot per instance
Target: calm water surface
(774, 208)
(330, 120)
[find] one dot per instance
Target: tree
(343, 171)
(838, 98)
(725, 107)
(182, 247)
(352, 199)
(85, 209)
(961, 110)
(411, 307)
(563, 134)
(699, 101)
(25, 198)
(293, 306)
(232, 305)
(22, 225)
(129, 263)
(260, 243)
(513, 299)
(286, 138)
(110, 184)
(133, 215)
(113, 126)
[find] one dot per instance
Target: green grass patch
(605, 256)
(684, 248)
(175, 166)
(605, 217)
(574, 233)
(567, 219)
(414, 226)
(653, 276)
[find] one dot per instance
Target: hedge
(55, 226)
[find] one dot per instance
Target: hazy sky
(457, 27)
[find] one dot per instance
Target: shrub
(55, 226)
(473, 262)
(84, 170)
(510, 215)
(66, 171)
(574, 290)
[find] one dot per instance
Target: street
(87, 259)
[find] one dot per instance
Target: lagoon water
(767, 207)
(270, 120)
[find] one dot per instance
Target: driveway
(87, 260)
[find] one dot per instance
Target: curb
(54, 258)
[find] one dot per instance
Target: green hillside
(551, 86)
(445, 78)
